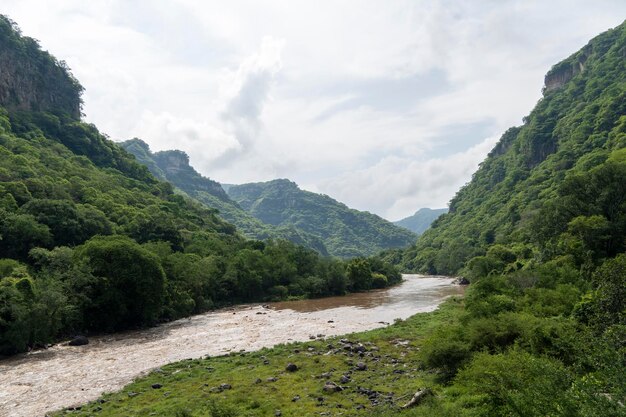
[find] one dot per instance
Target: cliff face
(32, 79)
(562, 73)
(175, 165)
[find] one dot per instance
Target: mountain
(278, 209)
(421, 220)
(91, 241)
(540, 233)
(173, 166)
(345, 232)
(547, 177)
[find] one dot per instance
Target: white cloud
(408, 183)
(388, 106)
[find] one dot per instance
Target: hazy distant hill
(345, 232)
(421, 220)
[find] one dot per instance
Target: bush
(516, 383)
(446, 350)
(379, 280)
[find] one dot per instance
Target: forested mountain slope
(552, 183)
(540, 231)
(421, 219)
(173, 166)
(91, 241)
(345, 232)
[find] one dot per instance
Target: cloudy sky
(387, 106)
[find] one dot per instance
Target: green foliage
(541, 233)
(515, 383)
(174, 166)
(99, 244)
(344, 232)
(557, 181)
(129, 285)
(606, 305)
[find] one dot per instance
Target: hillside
(35, 80)
(565, 161)
(345, 232)
(91, 241)
(420, 220)
(173, 166)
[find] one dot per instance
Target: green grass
(191, 387)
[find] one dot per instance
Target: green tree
(130, 285)
(359, 275)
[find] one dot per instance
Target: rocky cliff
(32, 79)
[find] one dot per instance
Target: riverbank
(63, 376)
(349, 375)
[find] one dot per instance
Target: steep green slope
(345, 232)
(541, 175)
(421, 219)
(91, 241)
(173, 166)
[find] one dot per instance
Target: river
(61, 376)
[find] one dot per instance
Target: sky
(387, 106)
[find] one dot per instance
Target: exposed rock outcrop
(32, 79)
(563, 72)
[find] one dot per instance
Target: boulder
(461, 281)
(418, 397)
(291, 367)
(331, 387)
(79, 341)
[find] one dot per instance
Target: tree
(130, 284)
(359, 274)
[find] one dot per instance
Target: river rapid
(34, 383)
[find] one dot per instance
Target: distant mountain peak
(421, 219)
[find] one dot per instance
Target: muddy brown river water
(62, 376)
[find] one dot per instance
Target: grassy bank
(356, 374)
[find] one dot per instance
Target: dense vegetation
(541, 233)
(91, 241)
(173, 166)
(421, 220)
(564, 162)
(345, 232)
(278, 209)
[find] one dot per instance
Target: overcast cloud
(388, 106)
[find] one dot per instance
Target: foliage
(91, 241)
(344, 232)
(556, 182)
